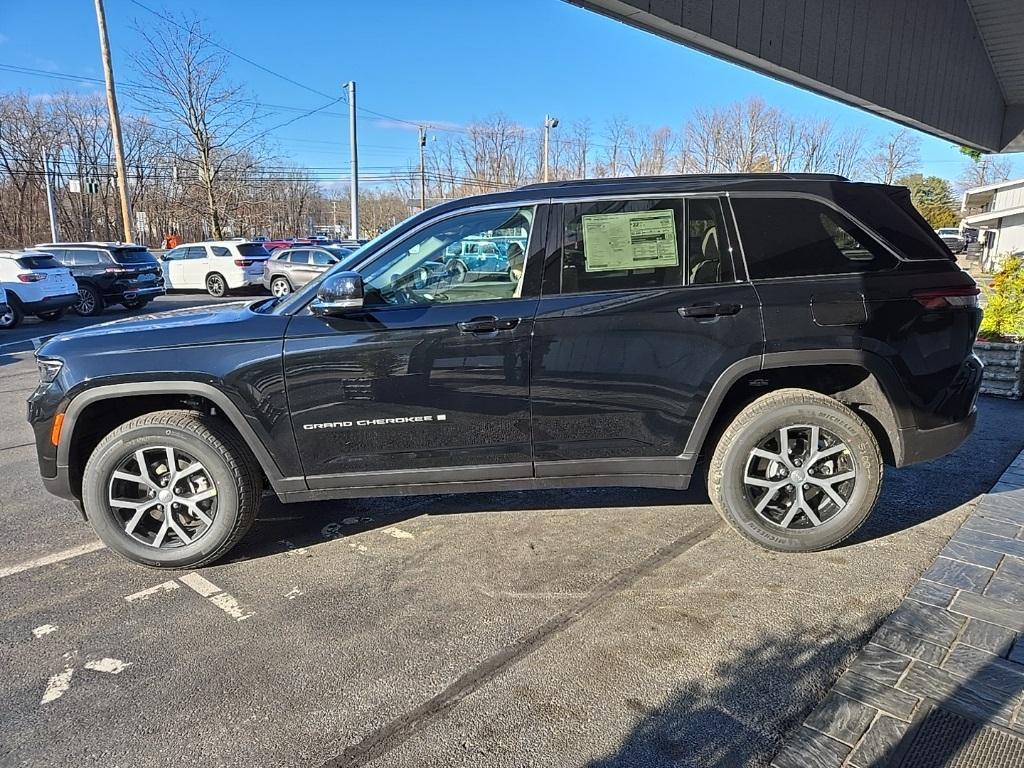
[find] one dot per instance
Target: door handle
(478, 325)
(709, 310)
(488, 324)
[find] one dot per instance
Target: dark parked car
(291, 268)
(785, 335)
(109, 273)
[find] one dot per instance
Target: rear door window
(299, 257)
(196, 252)
(623, 245)
(794, 236)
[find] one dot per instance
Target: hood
(182, 328)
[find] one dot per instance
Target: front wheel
(796, 471)
(171, 489)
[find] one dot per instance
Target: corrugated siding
(1008, 197)
(924, 60)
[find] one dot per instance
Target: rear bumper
(927, 444)
(50, 303)
(143, 293)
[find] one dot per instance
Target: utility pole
(549, 123)
(51, 203)
(423, 169)
(351, 86)
(115, 122)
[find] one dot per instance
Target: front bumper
(50, 303)
(926, 444)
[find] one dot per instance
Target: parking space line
(201, 585)
(56, 557)
(145, 594)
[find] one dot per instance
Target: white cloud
(3, 38)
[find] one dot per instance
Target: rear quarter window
(796, 237)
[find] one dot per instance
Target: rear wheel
(90, 301)
(280, 286)
(216, 285)
(56, 314)
(11, 314)
(796, 471)
(171, 489)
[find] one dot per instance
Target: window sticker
(617, 241)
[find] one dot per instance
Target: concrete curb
(956, 641)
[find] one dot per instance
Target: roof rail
(687, 177)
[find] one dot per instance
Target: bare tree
(189, 89)
(894, 155)
(981, 170)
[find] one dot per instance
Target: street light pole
(549, 123)
(351, 86)
(423, 169)
(115, 123)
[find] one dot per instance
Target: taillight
(31, 277)
(948, 298)
(243, 262)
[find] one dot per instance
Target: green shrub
(1004, 309)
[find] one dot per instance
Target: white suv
(36, 284)
(215, 266)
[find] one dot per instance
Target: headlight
(48, 369)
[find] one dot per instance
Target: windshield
(253, 251)
(132, 256)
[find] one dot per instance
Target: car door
(429, 381)
(642, 311)
(196, 266)
(298, 267)
(173, 263)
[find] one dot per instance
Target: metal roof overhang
(952, 68)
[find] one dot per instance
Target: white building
(997, 211)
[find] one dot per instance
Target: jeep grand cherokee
(796, 331)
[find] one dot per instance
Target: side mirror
(338, 295)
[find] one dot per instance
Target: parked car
(951, 236)
(109, 273)
(796, 331)
(291, 268)
(36, 284)
(7, 317)
(215, 266)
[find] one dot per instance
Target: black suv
(109, 273)
(796, 331)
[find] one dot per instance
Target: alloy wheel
(280, 287)
(86, 302)
(162, 497)
(7, 317)
(215, 285)
(800, 476)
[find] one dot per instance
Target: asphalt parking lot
(609, 627)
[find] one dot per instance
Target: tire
(56, 314)
(12, 316)
(216, 286)
(135, 303)
(280, 286)
(227, 467)
(739, 480)
(90, 301)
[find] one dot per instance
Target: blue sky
(445, 62)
